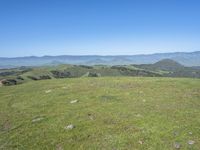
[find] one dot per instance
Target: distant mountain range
(184, 58)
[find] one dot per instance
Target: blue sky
(100, 27)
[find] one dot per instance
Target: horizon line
(100, 55)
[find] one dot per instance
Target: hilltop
(101, 113)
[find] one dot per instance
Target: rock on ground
(47, 91)
(69, 127)
(190, 133)
(37, 119)
(177, 145)
(91, 117)
(140, 142)
(191, 142)
(74, 101)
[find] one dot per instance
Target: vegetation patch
(61, 74)
(9, 82)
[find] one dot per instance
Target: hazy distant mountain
(171, 68)
(186, 59)
(168, 65)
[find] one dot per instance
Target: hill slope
(168, 65)
(21, 75)
(111, 113)
(170, 68)
(163, 68)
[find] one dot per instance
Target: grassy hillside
(21, 75)
(163, 68)
(110, 113)
(170, 68)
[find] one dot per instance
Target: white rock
(37, 119)
(191, 142)
(140, 142)
(48, 91)
(74, 101)
(69, 127)
(177, 145)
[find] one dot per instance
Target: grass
(112, 113)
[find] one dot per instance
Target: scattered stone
(69, 127)
(140, 142)
(190, 133)
(74, 101)
(37, 119)
(91, 117)
(48, 91)
(191, 142)
(64, 87)
(59, 147)
(177, 145)
(144, 100)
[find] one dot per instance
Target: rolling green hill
(101, 113)
(163, 68)
(170, 68)
(164, 65)
(21, 75)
